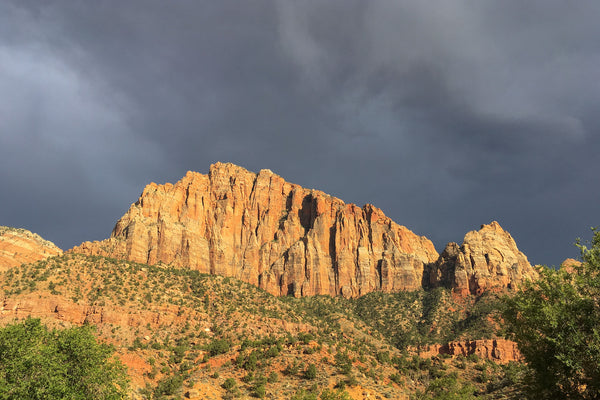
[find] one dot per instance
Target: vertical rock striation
(263, 230)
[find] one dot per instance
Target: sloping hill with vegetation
(183, 332)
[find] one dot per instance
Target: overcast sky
(445, 114)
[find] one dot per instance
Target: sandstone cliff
(488, 259)
(263, 230)
(18, 246)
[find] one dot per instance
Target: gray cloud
(446, 116)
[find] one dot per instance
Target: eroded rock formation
(487, 259)
(18, 246)
(263, 230)
(498, 350)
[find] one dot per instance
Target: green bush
(229, 384)
(310, 372)
(218, 346)
(260, 391)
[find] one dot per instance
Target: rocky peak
(18, 246)
(261, 229)
(487, 259)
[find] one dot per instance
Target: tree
(37, 363)
(555, 321)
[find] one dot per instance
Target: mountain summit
(290, 240)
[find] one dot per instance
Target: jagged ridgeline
(290, 240)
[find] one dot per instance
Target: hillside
(180, 331)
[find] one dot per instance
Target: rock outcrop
(499, 350)
(570, 265)
(488, 259)
(263, 230)
(48, 307)
(18, 246)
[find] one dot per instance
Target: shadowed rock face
(18, 246)
(261, 229)
(488, 259)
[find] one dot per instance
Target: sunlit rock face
(19, 246)
(274, 234)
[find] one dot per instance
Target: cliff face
(263, 230)
(488, 259)
(18, 246)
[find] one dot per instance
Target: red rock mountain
(18, 246)
(290, 240)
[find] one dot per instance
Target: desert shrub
(310, 372)
(218, 346)
(229, 384)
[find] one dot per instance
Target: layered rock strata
(487, 259)
(271, 233)
(18, 246)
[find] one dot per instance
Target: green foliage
(37, 363)
(292, 369)
(229, 384)
(447, 388)
(168, 386)
(260, 391)
(338, 394)
(302, 394)
(310, 372)
(273, 377)
(218, 346)
(556, 323)
(343, 363)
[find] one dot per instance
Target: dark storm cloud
(445, 115)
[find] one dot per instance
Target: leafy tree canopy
(38, 363)
(556, 323)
